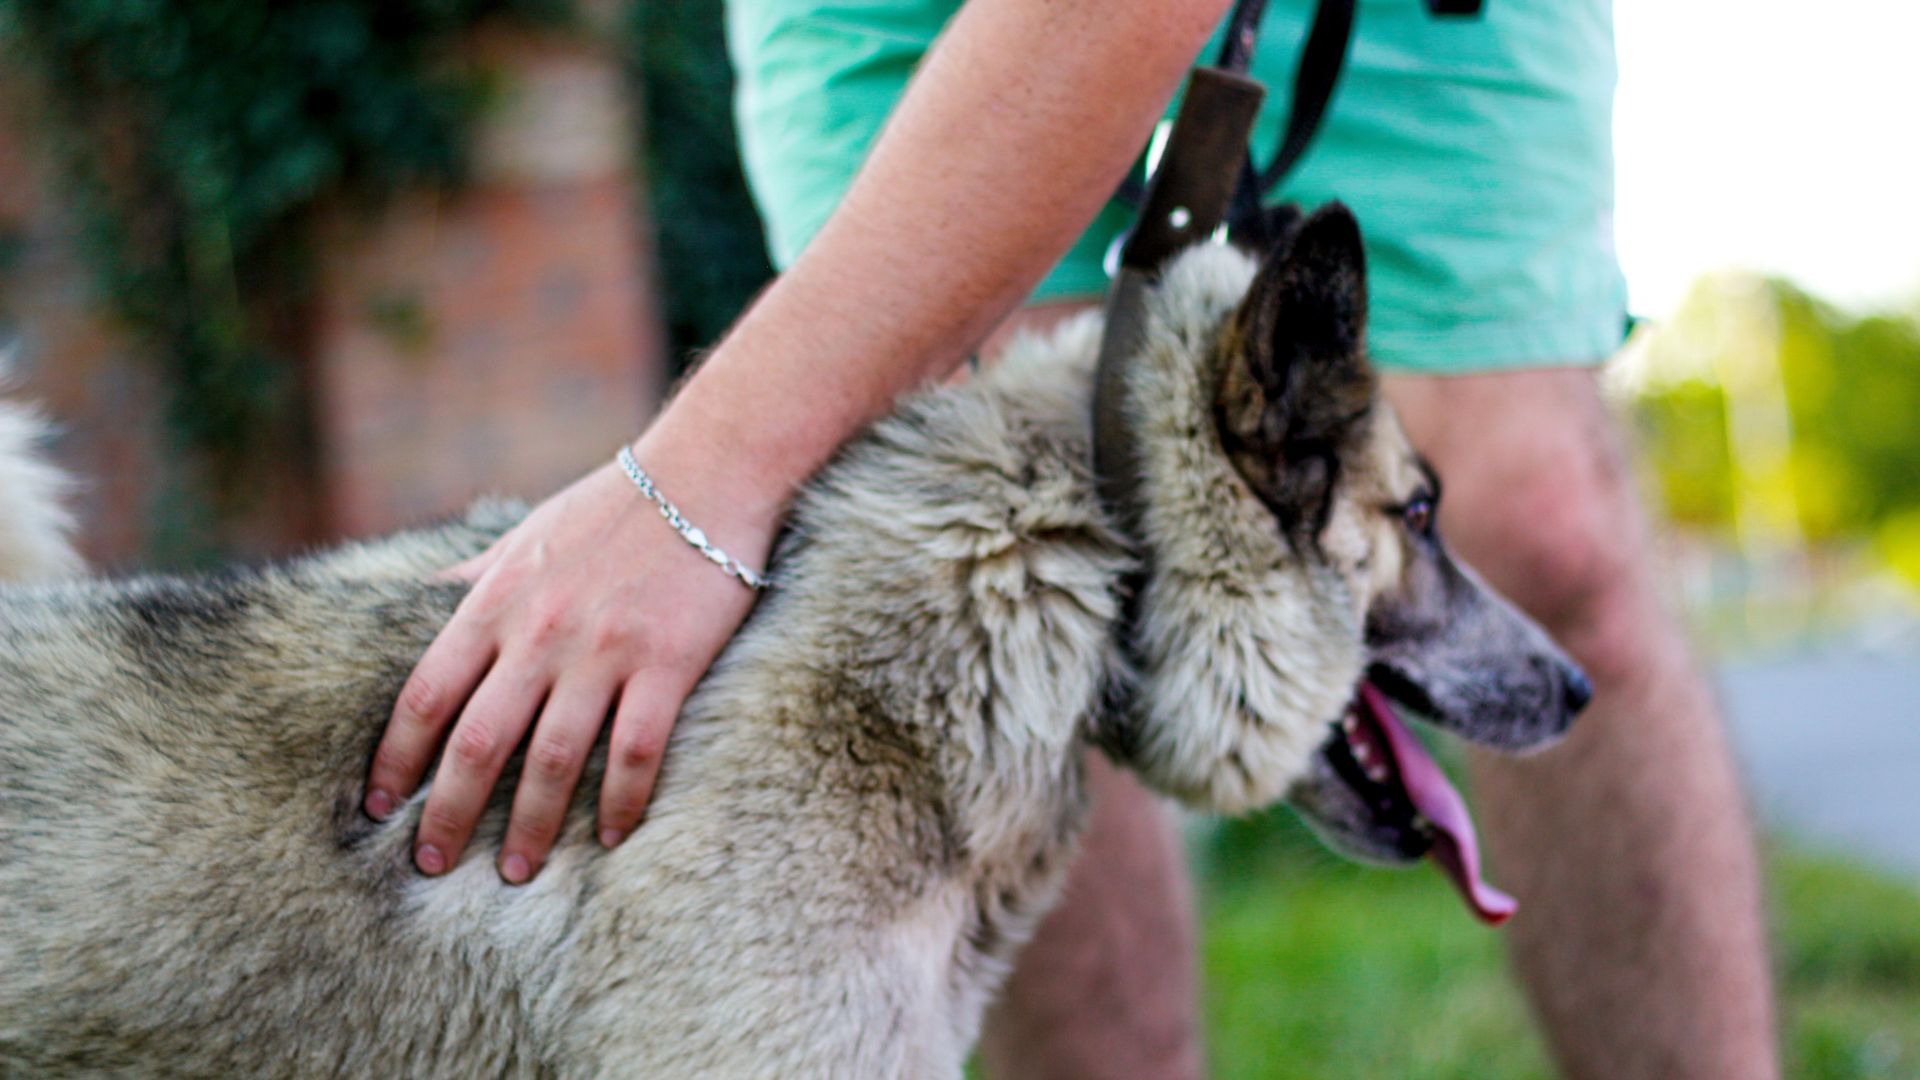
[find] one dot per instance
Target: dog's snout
(1576, 689)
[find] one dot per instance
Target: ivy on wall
(198, 136)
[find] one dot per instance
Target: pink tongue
(1454, 847)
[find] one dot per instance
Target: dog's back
(864, 808)
(178, 847)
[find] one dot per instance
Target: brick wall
(501, 339)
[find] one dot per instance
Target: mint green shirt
(1476, 152)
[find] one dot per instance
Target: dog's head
(1296, 580)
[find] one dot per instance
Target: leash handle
(1314, 81)
(1189, 194)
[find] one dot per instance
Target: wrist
(711, 465)
(747, 425)
(694, 535)
(712, 471)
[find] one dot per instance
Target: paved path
(1831, 746)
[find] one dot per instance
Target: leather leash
(1204, 163)
(1321, 60)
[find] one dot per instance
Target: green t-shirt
(1477, 153)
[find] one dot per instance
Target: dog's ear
(1296, 387)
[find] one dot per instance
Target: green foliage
(1853, 391)
(1829, 399)
(200, 134)
(1683, 428)
(1319, 967)
(711, 253)
(1316, 967)
(1898, 542)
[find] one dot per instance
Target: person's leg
(1640, 936)
(1107, 986)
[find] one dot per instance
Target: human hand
(591, 607)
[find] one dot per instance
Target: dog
(867, 803)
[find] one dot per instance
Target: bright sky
(1774, 135)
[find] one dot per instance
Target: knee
(1569, 548)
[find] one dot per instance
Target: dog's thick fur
(865, 806)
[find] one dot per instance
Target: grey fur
(34, 526)
(865, 806)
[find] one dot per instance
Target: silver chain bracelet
(688, 530)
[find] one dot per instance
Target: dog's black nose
(1576, 689)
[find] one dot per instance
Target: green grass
(1319, 968)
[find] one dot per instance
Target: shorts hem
(1578, 339)
(1586, 339)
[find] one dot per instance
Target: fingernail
(515, 869)
(379, 804)
(610, 838)
(429, 860)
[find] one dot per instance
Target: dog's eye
(1418, 515)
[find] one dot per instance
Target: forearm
(1008, 141)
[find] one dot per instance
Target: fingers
(489, 729)
(564, 736)
(428, 702)
(560, 601)
(648, 707)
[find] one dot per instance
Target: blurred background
(292, 272)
